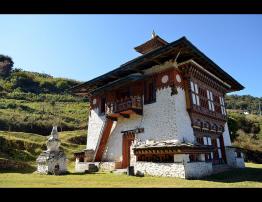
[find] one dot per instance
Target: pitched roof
(152, 44)
(187, 51)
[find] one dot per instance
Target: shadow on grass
(237, 175)
(29, 169)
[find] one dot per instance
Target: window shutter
(218, 142)
(205, 141)
(197, 99)
(194, 98)
(192, 86)
(196, 88)
(212, 155)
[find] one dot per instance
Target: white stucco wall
(182, 118)
(232, 160)
(165, 119)
(226, 136)
(95, 125)
(113, 149)
(240, 163)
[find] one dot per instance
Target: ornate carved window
(211, 106)
(222, 105)
(194, 93)
(207, 140)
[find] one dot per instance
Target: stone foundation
(160, 169)
(81, 167)
(187, 170)
(107, 166)
(198, 169)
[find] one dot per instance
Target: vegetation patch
(248, 177)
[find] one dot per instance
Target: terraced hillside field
(18, 150)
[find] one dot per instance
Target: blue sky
(82, 47)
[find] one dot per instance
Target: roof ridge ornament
(153, 34)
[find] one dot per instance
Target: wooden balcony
(125, 107)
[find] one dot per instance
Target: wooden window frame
(149, 91)
(210, 99)
(195, 93)
(222, 105)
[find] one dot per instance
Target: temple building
(162, 113)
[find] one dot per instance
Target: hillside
(243, 103)
(33, 102)
(18, 151)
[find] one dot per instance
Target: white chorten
(53, 160)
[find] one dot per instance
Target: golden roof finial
(153, 34)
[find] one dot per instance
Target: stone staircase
(220, 168)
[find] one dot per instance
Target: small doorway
(219, 153)
(128, 138)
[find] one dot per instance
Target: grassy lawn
(251, 176)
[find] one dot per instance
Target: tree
(233, 128)
(6, 64)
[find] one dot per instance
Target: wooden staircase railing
(103, 141)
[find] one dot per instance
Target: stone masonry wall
(42, 168)
(198, 169)
(81, 167)
(107, 166)
(187, 170)
(161, 169)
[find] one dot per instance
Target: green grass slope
(32, 102)
(18, 150)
